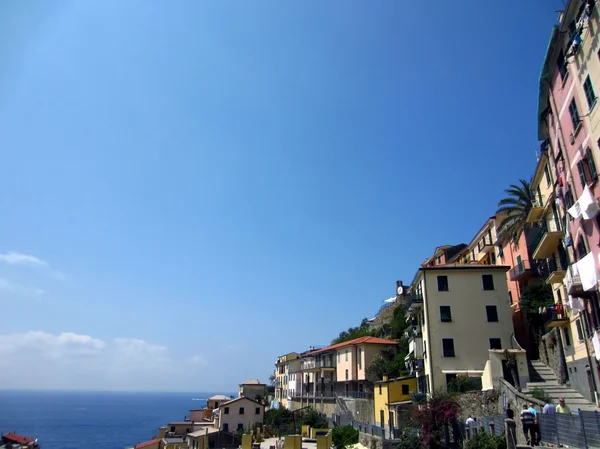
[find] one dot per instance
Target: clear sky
(189, 189)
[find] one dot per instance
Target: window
(448, 347)
(379, 388)
(226, 411)
(225, 427)
(567, 337)
(575, 120)
(548, 177)
(562, 65)
(579, 330)
(439, 260)
(172, 429)
(495, 343)
(346, 374)
(240, 427)
(257, 411)
(404, 389)
(590, 96)
(591, 165)
(241, 410)
(581, 250)
(493, 255)
(442, 283)
(510, 298)
(492, 313)
(451, 382)
(488, 281)
(346, 355)
(445, 314)
(359, 358)
(339, 357)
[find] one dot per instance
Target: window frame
(241, 411)
(451, 340)
(226, 411)
(495, 340)
(405, 387)
(575, 116)
(590, 94)
(440, 285)
(493, 307)
(449, 318)
(490, 277)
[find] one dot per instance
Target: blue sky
(190, 189)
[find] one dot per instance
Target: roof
(206, 430)
(466, 267)
(356, 341)
(219, 397)
(239, 399)
(19, 439)
(253, 382)
(397, 379)
(147, 443)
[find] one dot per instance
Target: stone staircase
(541, 376)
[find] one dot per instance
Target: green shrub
(540, 394)
(314, 419)
(409, 441)
(343, 436)
(484, 440)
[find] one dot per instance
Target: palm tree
(515, 208)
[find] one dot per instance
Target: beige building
(215, 401)
(459, 312)
(483, 248)
(252, 389)
(240, 413)
(284, 366)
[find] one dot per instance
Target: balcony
(484, 247)
(415, 348)
(537, 209)
(414, 302)
(557, 269)
(326, 363)
(415, 366)
(545, 239)
(523, 271)
(572, 281)
(553, 319)
(308, 364)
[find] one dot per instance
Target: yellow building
(390, 396)
(483, 248)
(284, 366)
(459, 312)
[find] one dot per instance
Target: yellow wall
(346, 360)
(391, 391)
(469, 327)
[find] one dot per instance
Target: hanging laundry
(559, 308)
(575, 210)
(588, 204)
(560, 181)
(575, 304)
(588, 272)
(596, 343)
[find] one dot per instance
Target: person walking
(549, 409)
(528, 421)
(535, 429)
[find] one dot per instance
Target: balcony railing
(413, 301)
(419, 397)
(572, 281)
(308, 364)
(356, 394)
(522, 271)
(537, 209)
(552, 318)
(556, 268)
(327, 363)
(544, 239)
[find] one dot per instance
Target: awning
(394, 404)
(462, 371)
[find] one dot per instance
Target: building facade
(458, 312)
(390, 398)
(284, 365)
(240, 413)
(252, 389)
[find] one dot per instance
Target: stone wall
(551, 354)
(362, 409)
(478, 404)
(328, 408)
(370, 441)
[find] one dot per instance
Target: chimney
(216, 421)
(385, 377)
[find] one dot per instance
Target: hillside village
(507, 319)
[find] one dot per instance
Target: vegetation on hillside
(391, 360)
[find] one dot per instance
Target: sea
(93, 420)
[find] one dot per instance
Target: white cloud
(20, 290)
(197, 360)
(15, 258)
(48, 345)
(58, 275)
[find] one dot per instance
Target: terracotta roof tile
(356, 341)
(19, 439)
(148, 443)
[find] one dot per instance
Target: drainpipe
(568, 169)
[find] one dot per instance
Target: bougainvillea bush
(436, 417)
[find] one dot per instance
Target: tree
(535, 296)
(515, 208)
(314, 419)
(343, 436)
(435, 417)
(511, 364)
(272, 379)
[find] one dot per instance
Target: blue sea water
(92, 420)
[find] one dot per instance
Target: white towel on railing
(588, 272)
(589, 205)
(575, 304)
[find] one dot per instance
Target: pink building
(567, 103)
